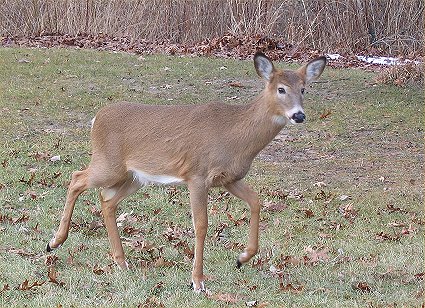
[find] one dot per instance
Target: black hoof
(48, 248)
(238, 264)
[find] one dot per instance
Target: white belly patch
(145, 178)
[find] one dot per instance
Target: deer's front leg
(198, 202)
(241, 190)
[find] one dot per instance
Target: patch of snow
(385, 60)
(333, 56)
(375, 60)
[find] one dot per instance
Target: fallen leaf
(25, 286)
(361, 286)
(381, 236)
(123, 217)
(185, 248)
(288, 260)
(30, 179)
(291, 288)
(156, 289)
(161, 262)
(325, 114)
(315, 255)
(409, 230)
(227, 298)
(52, 274)
(274, 206)
(308, 213)
(279, 194)
(95, 211)
(396, 224)
(151, 302)
(237, 222)
(51, 260)
(21, 252)
(5, 288)
(97, 270)
(348, 212)
(322, 195)
(325, 235)
(141, 246)
(391, 208)
(94, 225)
(129, 230)
(236, 85)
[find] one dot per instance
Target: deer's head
(285, 88)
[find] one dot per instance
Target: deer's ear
(263, 65)
(313, 69)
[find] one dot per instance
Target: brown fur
(204, 145)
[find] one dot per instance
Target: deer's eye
(302, 91)
(281, 90)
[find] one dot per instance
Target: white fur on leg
(243, 255)
(201, 289)
(125, 267)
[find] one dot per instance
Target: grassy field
(342, 222)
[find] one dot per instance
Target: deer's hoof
(238, 264)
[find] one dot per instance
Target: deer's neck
(259, 126)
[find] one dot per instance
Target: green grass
(369, 148)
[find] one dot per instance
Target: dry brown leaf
(237, 222)
(51, 260)
(288, 260)
(308, 213)
(52, 274)
(315, 255)
(25, 286)
(151, 302)
(94, 225)
(5, 288)
(325, 114)
(409, 230)
(236, 85)
(381, 236)
(274, 206)
(361, 286)
(228, 298)
(291, 288)
(161, 262)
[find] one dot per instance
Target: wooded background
(395, 27)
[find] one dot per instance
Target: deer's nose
(298, 117)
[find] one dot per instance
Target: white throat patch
(279, 120)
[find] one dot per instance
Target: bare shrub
(395, 27)
(402, 75)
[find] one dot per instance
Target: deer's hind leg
(109, 198)
(79, 183)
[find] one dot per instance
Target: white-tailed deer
(202, 146)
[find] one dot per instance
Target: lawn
(342, 222)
